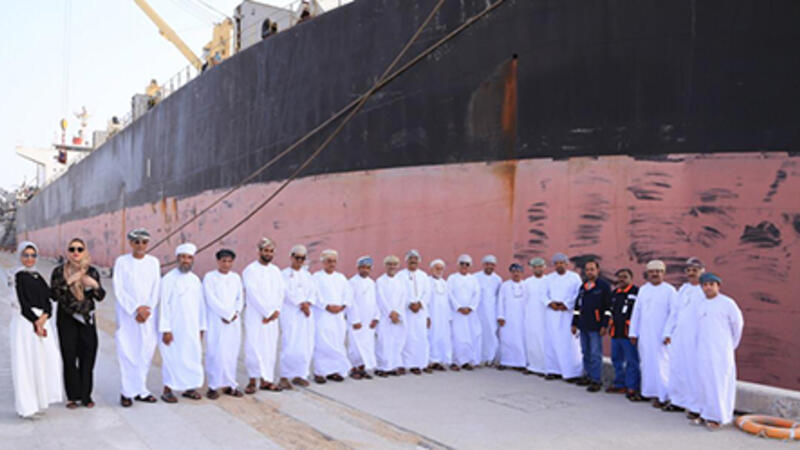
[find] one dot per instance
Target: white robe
(719, 331)
(683, 385)
(416, 353)
(487, 312)
(330, 352)
(297, 330)
(562, 349)
(361, 342)
(440, 333)
(649, 324)
(136, 283)
(36, 370)
(511, 306)
(182, 312)
(264, 290)
(464, 291)
(535, 324)
(391, 296)
(224, 300)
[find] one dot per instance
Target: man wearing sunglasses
(136, 279)
(297, 322)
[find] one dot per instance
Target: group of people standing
(674, 348)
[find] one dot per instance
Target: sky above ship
(101, 56)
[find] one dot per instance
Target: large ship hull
(621, 130)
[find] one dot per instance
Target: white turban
(489, 259)
(656, 264)
(265, 242)
(391, 259)
(299, 250)
(187, 248)
(560, 257)
(328, 254)
(437, 262)
(413, 253)
(465, 258)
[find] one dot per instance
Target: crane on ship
(215, 51)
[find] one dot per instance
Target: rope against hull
(354, 107)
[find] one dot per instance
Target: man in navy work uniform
(591, 317)
(623, 353)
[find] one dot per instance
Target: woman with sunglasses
(76, 286)
(35, 361)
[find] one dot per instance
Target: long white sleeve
(636, 317)
(121, 289)
(252, 292)
(501, 302)
(165, 308)
(736, 320)
(214, 302)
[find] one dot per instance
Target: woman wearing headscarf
(76, 287)
(35, 359)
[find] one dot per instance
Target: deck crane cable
(356, 105)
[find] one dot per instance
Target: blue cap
(709, 277)
(515, 266)
(364, 261)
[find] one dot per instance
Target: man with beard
(418, 291)
(592, 311)
(181, 322)
(490, 283)
(655, 302)
(391, 299)
(683, 383)
(562, 351)
(439, 332)
(511, 320)
(264, 294)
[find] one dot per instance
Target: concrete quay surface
(482, 409)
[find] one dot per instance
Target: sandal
(148, 399)
(335, 377)
(669, 407)
(319, 379)
(285, 385)
(192, 395)
(89, 404)
(455, 368)
(125, 401)
(297, 381)
(169, 397)
(468, 366)
(72, 405)
(212, 394)
(415, 371)
(713, 426)
(427, 370)
(366, 376)
(381, 373)
(233, 392)
(269, 387)
(250, 389)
